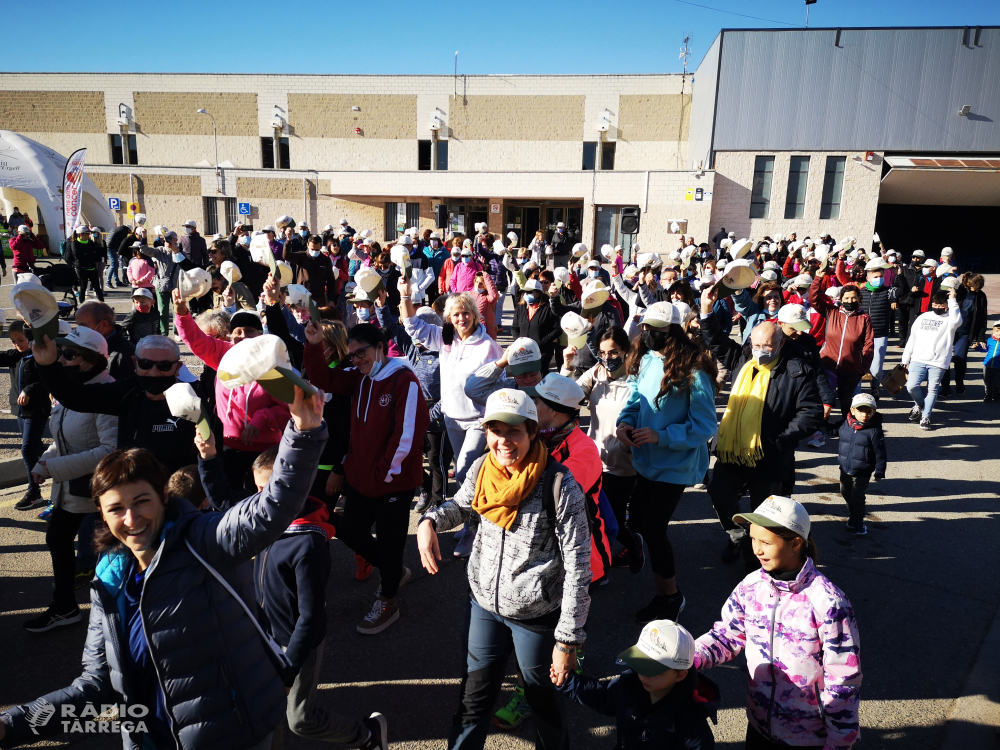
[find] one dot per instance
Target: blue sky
(395, 37)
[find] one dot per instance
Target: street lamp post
(215, 135)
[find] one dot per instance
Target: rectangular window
(211, 216)
(117, 157)
(399, 217)
(760, 192)
(833, 187)
(608, 155)
(442, 156)
(589, 156)
(424, 155)
(232, 214)
(267, 153)
(798, 179)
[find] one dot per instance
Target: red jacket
(850, 339)
(23, 248)
(389, 419)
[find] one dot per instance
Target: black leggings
(59, 537)
(434, 476)
(92, 275)
(619, 491)
(390, 514)
(650, 509)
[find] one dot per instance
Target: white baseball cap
(767, 275)
(561, 390)
(661, 315)
(930, 263)
(560, 225)
(38, 306)
(328, 228)
(23, 229)
(944, 268)
(576, 328)
(532, 285)
(947, 252)
(952, 282)
(194, 283)
(663, 645)
(343, 221)
(263, 359)
(510, 406)
(876, 264)
(303, 225)
(772, 265)
(230, 271)
(524, 357)
(142, 292)
(595, 293)
(190, 223)
(794, 316)
(183, 402)
(803, 279)
(435, 235)
(298, 295)
(85, 338)
(864, 399)
(918, 253)
(777, 512)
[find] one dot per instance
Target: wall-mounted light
(355, 108)
(965, 110)
(436, 122)
(604, 121)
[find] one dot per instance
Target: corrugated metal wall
(881, 89)
(703, 107)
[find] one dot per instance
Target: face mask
(941, 310)
(763, 356)
(613, 364)
(481, 290)
(73, 373)
(521, 261)
(927, 272)
(363, 313)
(435, 244)
(178, 257)
(156, 385)
(532, 298)
(188, 230)
(313, 253)
(455, 256)
(245, 241)
(466, 259)
(303, 233)
(850, 306)
(875, 283)
(654, 340)
(592, 273)
(376, 367)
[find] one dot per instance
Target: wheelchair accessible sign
(244, 209)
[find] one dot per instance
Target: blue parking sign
(114, 204)
(244, 209)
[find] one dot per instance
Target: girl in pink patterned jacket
(799, 634)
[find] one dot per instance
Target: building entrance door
(524, 221)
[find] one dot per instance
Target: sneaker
(988, 399)
(945, 391)
(83, 578)
(514, 713)
(960, 389)
(423, 503)
(661, 608)
(818, 440)
(379, 732)
(638, 560)
(403, 580)
(915, 413)
(51, 618)
(732, 550)
(861, 530)
(464, 548)
(364, 569)
(622, 559)
(925, 423)
(46, 514)
(382, 615)
(32, 499)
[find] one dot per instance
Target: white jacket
(607, 397)
(422, 279)
(79, 442)
(932, 337)
(458, 361)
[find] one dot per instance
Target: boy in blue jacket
(290, 579)
(660, 701)
(861, 454)
(991, 366)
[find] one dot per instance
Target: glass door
(523, 221)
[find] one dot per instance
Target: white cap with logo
(561, 390)
(510, 406)
(794, 316)
(865, 400)
(779, 512)
(84, 338)
(663, 645)
(661, 315)
(524, 357)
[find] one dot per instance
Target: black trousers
(650, 509)
(59, 537)
(92, 275)
(729, 482)
(390, 515)
(907, 314)
(434, 475)
(854, 491)
(619, 492)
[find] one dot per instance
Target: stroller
(59, 277)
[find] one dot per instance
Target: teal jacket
(685, 421)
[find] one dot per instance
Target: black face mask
(73, 372)
(654, 340)
(850, 306)
(941, 310)
(613, 363)
(156, 385)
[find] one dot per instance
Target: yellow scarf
(500, 492)
(739, 433)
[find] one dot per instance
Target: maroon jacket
(850, 339)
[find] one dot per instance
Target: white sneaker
(818, 440)
(925, 423)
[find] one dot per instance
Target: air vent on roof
(979, 30)
(965, 37)
(836, 42)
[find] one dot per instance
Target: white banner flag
(73, 191)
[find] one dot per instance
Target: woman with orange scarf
(528, 571)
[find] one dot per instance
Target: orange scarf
(500, 492)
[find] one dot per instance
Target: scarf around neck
(500, 491)
(739, 432)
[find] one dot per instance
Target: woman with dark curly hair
(667, 422)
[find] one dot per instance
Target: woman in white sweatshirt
(928, 353)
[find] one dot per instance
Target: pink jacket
(803, 654)
(487, 304)
(237, 407)
(463, 278)
(140, 273)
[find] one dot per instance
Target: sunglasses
(357, 355)
(162, 365)
(68, 354)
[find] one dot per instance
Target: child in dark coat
(661, 701)
(142, 320)
(290, 579)
(862, 456)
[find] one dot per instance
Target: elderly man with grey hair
(774, 403)
(144, 419)
(100, 317)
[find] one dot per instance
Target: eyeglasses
(69, 354)
(357, 355)
(162, 365)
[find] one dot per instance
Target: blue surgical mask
(466, 259)
(522, 261)
(875, 282)
(314, 253)
(592, 273)
(244, 241)
(303, 233)
(376, 366)
(363, 313)
(178, 257)
(532, 298)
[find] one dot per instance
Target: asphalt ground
(925, 586)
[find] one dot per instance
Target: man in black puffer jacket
(87, 256)
(876, 300)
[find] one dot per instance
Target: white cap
(576, 328)
(952, 282)
(65, 329)
(595, 294)
(947, 252)
(298, 295)
(876, 264)
(595, 263)
(533, 284)
(579, 249)
(772, 265)
(412, 231)
(85, 338)
(833, 292)
(607, 251)
(663, 645)
(140, 219)
(930, 263)
(343, 221)
(194, 283)
(794, 316)
(262, 359)
(183, 402)
(230, 271)
(768, 275)
(918, 253)
(630, 271)
(142, 292)
(864, 399)
(25, 277)
(190, 223)
(561, 275)
(560, 225)
(286, 272)
(23, 229)
(779, 512)
(524, 356)
(740, 248)
(661, 315)
(731, 235)
(803, 279)
(435, 236)
(560, 390)
(512, 236)
(38, 306)
(943, 269)
(303, 225)
(498, 247)
(400, 255)
(510, 406)
(328, 228)
(268, 228)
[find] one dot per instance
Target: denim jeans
(918, 371)
(32, 429)
(881, 344)
(468, 442)
(854, 490)
(112, 275)
(491, 638)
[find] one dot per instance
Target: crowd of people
(344, 385)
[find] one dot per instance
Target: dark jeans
(853, 490)
(63, 526)
(907, 315)
(390, 514)
(491, 639)
(436, 443)
(32, 429)
(649, 512)
(961, 365)
(619, 491)
(844, 384)
(93, 275)
(991, 381)
(757, 741)
(729, 482)
(86, 558)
